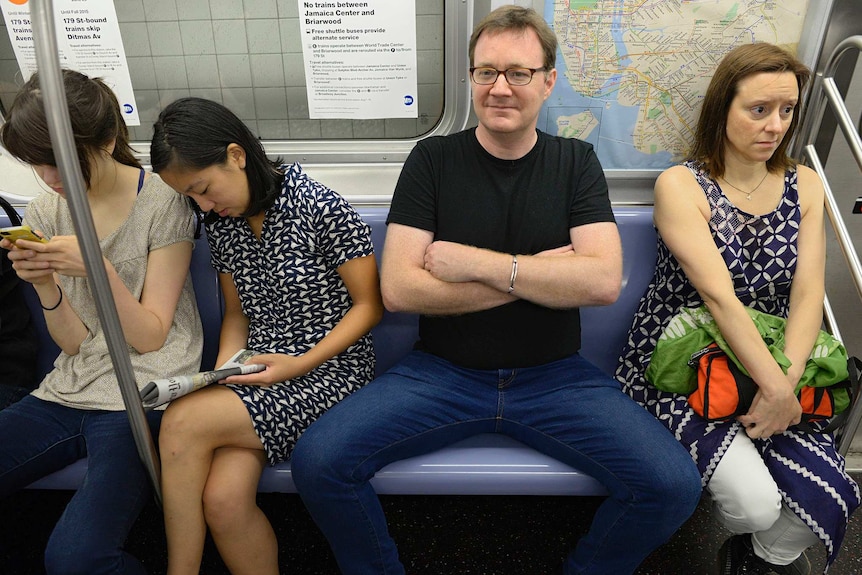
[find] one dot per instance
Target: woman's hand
(28, 262)
(773, 410)
(64, 255)
(34, 260)
(279, 367)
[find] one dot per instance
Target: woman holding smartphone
(146, 236)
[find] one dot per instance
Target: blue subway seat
(488, 464)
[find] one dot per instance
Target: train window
(634, 96)
(248, 56)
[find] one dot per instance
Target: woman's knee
(223, 505)
(178, 428)
(743, 491)
(748, 511)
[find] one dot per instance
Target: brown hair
(95, 117)
(740, 63)
(517, 18)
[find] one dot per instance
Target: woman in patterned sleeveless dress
(740, 225)
(299, 281)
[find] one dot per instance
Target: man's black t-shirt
(454, 188)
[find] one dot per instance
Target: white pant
(748, 501)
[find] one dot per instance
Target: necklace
(747, 194)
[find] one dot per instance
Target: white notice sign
(360, 58)
(88, 39)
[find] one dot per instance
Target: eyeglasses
(485, 75)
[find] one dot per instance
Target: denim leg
(418, 406)
(575, 413)
(37, 438)
(569, 410)
(91, 533)
(9, 394)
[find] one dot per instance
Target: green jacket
(692, 329)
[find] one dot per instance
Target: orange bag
(724, 392)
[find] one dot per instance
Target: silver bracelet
(514, 273)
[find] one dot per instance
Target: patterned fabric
(760, 252)
(290, 290)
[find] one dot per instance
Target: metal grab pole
(62, 140)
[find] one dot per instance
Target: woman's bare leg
(192, 429)
(242, 533)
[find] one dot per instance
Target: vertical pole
(62, 140)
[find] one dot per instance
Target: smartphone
(16, 233)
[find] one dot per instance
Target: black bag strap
(14, 218)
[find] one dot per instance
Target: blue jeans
(38, 437)
(9, 394)
(567, 409)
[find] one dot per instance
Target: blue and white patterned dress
(760, 252)
(289, 288)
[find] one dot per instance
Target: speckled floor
(436, 536)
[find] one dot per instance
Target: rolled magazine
(160, 391)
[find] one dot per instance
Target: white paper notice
(360, 58)
(88, 39)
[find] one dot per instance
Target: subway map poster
(632, 73)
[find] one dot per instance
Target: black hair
(194, 133)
